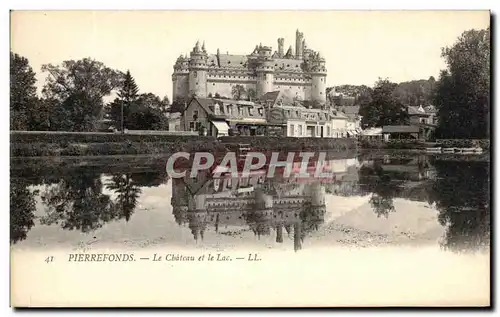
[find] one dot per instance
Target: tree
(384, 108)
(463, 91)
(22, 92)
(147, 113)
(79, 87)
(178, 105)
(237, 92)
(120, 108)
(251, 94)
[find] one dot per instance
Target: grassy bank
(38, 144)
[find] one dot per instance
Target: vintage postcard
(250, 158)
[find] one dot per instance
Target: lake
(131, 202)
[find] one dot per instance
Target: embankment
(57, 144)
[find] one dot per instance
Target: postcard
(250, 159)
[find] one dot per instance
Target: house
(354, 120)
(339, 124)
(425, 118)
(202, 115)
(219, 117)
(401, 132)
(421, 115)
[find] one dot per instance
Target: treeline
(461, 95)
(73, 98)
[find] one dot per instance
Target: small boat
(449, 150)
(433, 150)
(472, 150)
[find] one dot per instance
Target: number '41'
(49, 259)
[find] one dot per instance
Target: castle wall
(225, 87)
(198, 82)
(181, 86)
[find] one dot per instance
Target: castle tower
(180, 78)
(281, 51)
(318, 75)
(265, 71)
(198, 71)
(299, 37)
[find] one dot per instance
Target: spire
(203, 47)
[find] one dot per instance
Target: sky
(359, 46)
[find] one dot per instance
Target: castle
(302, 75)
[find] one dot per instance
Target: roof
(270, 96)
(372, 132)
(400, 129)
(341, 100)
(235, 102)
(412, 110)
(351, 110)
(339, 114)
(206, 103)
(228, 61)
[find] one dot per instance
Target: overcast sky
(359, 46)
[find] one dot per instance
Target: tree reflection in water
(74, 200)
(22, 209)
(461, 194)
(128, 193)
(382, 186)
(77, 203)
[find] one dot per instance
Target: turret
(180, 78)
(318, 76)
(281, 52)
(265, 71)
(198, 71)
(299, 37)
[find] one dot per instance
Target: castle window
(261, 111)
(229, 62)
(320, 92)
(213, 84)
(195, 74)
(288, 65)
(250, 111)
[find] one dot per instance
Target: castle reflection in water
(291, 205)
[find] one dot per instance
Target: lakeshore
(99, 144)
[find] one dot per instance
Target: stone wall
(392, 144)
(291, 144)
